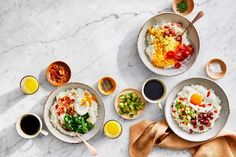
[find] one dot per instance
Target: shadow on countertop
(43, 82)
(10, 98)
(10, 141)
(130, 65)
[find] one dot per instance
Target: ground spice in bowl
(106, 85)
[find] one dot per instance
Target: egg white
(79, 108)
(188, 91)
(93, 112)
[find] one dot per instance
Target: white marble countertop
(96, 38)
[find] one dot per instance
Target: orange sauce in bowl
(58, 73)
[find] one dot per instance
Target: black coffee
(153, 89)
(30, 124)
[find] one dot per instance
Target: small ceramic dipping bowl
(190, 4)
(106, 85)
(58, 73)
(216, 68)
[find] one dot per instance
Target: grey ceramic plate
(219, 124)
(91, 133)
(192, 36)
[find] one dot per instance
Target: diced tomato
(208, 93)
(203, 105)
(209, 104)
(185, 53)
(167, 32)
(173, 33)
(182, 46)
(170, 54)
(178, 55)
(215, 111)
(190, 48)
(182, 99)
(166, 26)
(177, 65)
(56, 106)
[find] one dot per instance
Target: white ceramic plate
(192, 36)
(220, 122)
(86, 136)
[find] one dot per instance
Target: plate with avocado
(130, 104)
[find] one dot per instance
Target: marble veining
(96, 38)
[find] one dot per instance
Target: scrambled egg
(161, 46)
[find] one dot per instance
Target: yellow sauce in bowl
(112, 129)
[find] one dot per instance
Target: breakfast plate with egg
(74, 109)
(197, 109)
(161, 48)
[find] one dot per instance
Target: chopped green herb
(182, 6)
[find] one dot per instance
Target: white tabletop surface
(96, 38)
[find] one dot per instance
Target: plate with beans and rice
(197, 109)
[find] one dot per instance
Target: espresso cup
(154, 91)
(29, 125)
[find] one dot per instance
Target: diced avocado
(186, 121)
(121, 112)
(121, 105)
(183, 104)
(128, 101)
(122, 97)
(177, 106)
(131, 115)
(131, 106)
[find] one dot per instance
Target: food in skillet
(74, 112)
(165, 48)
(196, 108)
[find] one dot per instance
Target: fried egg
(81, 106)
(93, 112)
(199, 98)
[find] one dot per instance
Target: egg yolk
(196, 99)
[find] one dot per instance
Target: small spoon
(92, 150)
(197, 17)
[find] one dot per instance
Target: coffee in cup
(29, 125)
(154, 90)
